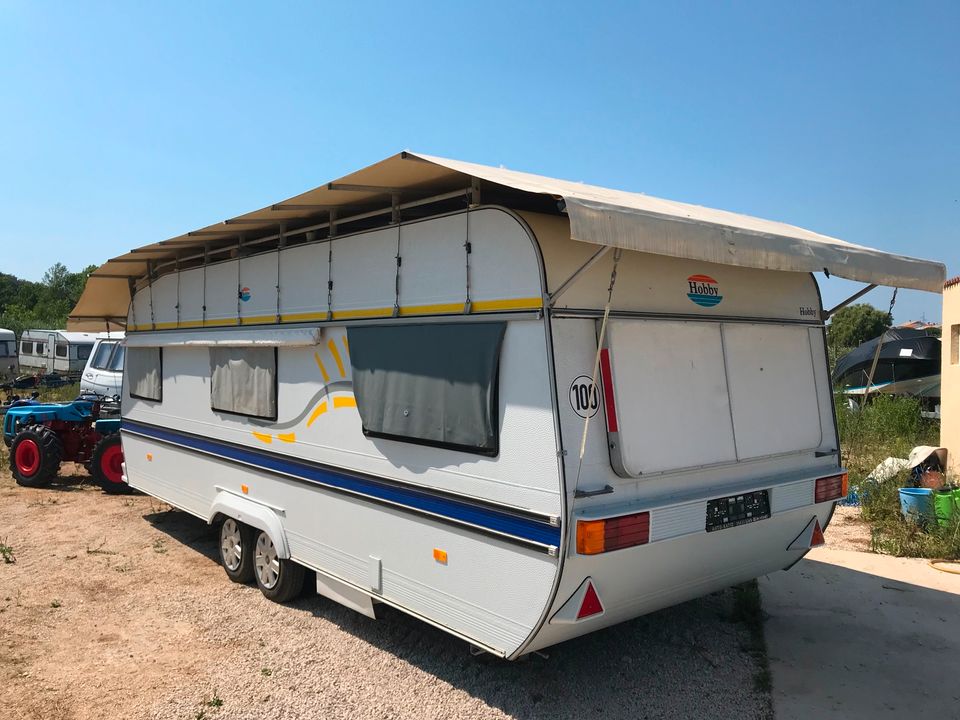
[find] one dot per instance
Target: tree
(25, 304)
(855, 324)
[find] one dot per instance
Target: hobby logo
(704, 291)
(245, 293)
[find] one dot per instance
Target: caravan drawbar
(517, 408)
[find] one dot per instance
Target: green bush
(892, 427)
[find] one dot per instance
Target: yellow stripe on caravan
(303, 317)
(372, 312)
(514, 304)
(336, 356)
(258, 319)
(323, 370)
(321, 409)
(533, 303)
(263, 437)
(287, 437)
(438, 309)
(344, 401)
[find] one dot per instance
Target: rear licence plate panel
(737, 510)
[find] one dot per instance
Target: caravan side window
(243, 381)
(61, 350)
(26, 348)
(431, 384)
(144, 373)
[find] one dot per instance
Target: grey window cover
(244, 381)
(144, 373)
(434, 384)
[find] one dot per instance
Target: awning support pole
(582, 269)
(826, 314)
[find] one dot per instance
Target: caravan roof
(409, 182)
(65, 335)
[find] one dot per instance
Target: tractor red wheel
(106, 465)
(27, 457)
(35, 456)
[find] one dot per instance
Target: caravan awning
(597, 215)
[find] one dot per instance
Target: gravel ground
(116, 607)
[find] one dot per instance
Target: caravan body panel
(716, 385)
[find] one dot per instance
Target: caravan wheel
(279, 580)
(236, 550)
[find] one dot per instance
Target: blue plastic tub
(916, 504)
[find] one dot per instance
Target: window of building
(61, 350)
(954, 344)
(243, 381)
(144, 373)
(434, 384)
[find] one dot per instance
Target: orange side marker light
(440, 556)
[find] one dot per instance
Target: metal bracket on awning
(826, 314)
(565, 285)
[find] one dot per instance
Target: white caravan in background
(9, 365)
(103, 374)
(55, 351)
(517, 408)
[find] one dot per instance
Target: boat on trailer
(518, 408)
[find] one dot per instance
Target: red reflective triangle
(816, 538)
(591, 603)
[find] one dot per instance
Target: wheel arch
(262, 517)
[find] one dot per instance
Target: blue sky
(126, 123)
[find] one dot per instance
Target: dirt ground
(847, 530)
(116, 607)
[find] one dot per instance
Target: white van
(103, 374)
(517, 408)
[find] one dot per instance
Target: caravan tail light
(600, 536)
(830, 488)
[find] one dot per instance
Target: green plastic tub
(945, 504)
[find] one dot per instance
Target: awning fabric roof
(597, 215)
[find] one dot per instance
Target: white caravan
(8, 354)
(55, 351)
(103, 374)
(517, 408)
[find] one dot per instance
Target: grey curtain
(433, 383)
(144, 373)
(243, 380)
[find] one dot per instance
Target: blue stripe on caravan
(532, 530)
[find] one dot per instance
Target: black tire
(239, 569)
(39, 440)
(103, 467)
(287, 581)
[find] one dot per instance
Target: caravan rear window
(432, 384)
(244, 381)
(144, 374)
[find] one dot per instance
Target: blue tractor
(43, 435)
